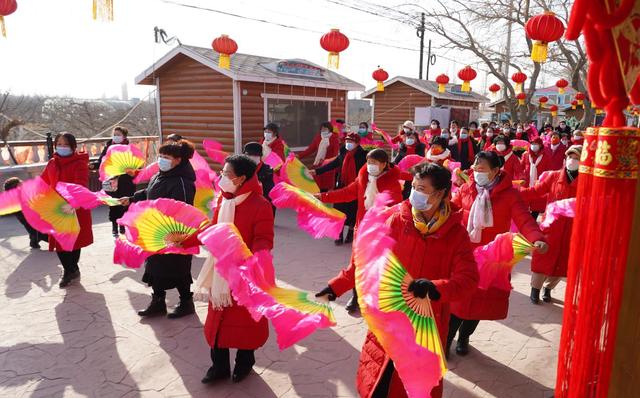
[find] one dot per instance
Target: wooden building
(405, 98)
(198, 100)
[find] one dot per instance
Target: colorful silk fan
(314, 217)
(81, 197)
(403, 324)
(253, 284)
(409, 161)
(120, 159)
(519, 145)
(128, 254)
(10, 201)
(557, 209)
(384, 135)
(199, 163)
(273, 160)
(48, 212)
(145, 174)
(163, 225)
(205, 193)
(214, 151)
(496, 259)
(297, 174)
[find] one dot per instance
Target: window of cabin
(299, 120)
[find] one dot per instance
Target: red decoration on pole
(519, 78)
(574, 104)
(442, 81)
(544, 29)
(562, 84)
(7, 7)
(543, 101)
(554, 110)
(494, 89)
(380, 75)
(334, 42)
(226, 47)
(522, 97)
(580, 97)
(467, 74)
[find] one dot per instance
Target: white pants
(549, 282)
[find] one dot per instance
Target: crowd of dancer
(507, 175)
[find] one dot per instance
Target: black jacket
(360, 158)
(265, 176)
(463, 155)
(402, 152)
(179, 183)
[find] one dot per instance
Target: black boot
(349, 237)
(186, 307)
(121, 227)
(213, 374)
(245, 359)
(220, 368)
(447, 348)
(352, 305)
(339, 241)
(157, 306)
(114, 229)
(546, 297)
(535, 295)
(462, 347)
(69, 277)
(34, 242)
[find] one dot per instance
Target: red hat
(538, 141)
(353, 137)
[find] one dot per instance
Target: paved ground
(89, 341)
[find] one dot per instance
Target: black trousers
(184, 289)
(382, 389)
(34, 236)
(466, 328)
(245, 359)
(69, 260)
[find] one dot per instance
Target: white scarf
(507, 156)
(533, 170)
(371, 192)
(480, 215)
(210, 286)
(322, 150)
(435, 158)
(266, 148)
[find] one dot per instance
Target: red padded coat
(537, 204)
(326, 180)
(556, 161)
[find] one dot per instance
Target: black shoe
(67, 278)
(157, 306)
(462, 348)
(240, 373)
(352, 304)
(535, 295)
(121, 230)
(213, 375)
(114, 230)
(349, 237)
(447, 348)
(339, 241)
(34, 245)
(186, 307)
(546, 297)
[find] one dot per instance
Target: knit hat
(409, 124)
(252, 149)
(353, 137)
(573, 149)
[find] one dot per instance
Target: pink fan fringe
(214, 151)
(384, 135)
(419, 368)
(128, 254)
(273, 160)
(10, 201)
(312, 218)
(495, 261)
(560, 208)
(79, 196)
(199, 163)
(145, 174)
(409, 161)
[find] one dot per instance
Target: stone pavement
(88, 340)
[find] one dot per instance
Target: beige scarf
(371, 192)
(533, 170)
(210, 286)
(480, 215)
(322, 150)
(266, 148)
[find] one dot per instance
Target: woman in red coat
(229, 325)
(489, 203)
(502, 146)
(379, 176)
(548, 268)
(272, 142)
(534, 162)
(68, 165)
(487, 139)
(434, 247)
(438, 151)
(556, 152)
(325, 145)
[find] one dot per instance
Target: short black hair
(503, 138)
(495, 161)
(473, 124)
(11, 183)
(439, 176)
(379, 154)
(252, 149)
(242, 165)
(174, 137)
(441, 141)
(436, 121)
(123, 130)
(70, 138)
(182, 149)
(273, 127)
(365, 124)
(327, 125)
(454, 121)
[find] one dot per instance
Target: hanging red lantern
(580, 97)
(335, 42)
(554, 110)
(562, 84)
(519, 78)
(467, 74)
(225, 47)
(543, 101)
(380, 75)
(494, 89)
(442, 81)
(7, 7)
(574, 104)
(103, 10)
(544, 29)
(522, 97)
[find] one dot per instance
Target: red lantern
(580, 97)
(543, 100)
(494, 88)
(522, 97)
(554, 110)
(380, 75)
(467, 74)
(544, 28)
(519, 78)
(574, 104)
(334, 42)
(442, 81)
(562, 84)
(7, 7)
(103, 10)
(226, 47)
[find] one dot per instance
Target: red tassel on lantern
(334, 42)
(442, 81)
(380, 75)
(7, 7)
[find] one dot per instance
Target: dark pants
(245, 359)
(69, 260)
(34, 236)
(183, 288)
(382, 389)
(466, 327)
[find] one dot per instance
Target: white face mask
(501, 147)
(434, 126)
(419, 200)
(519, 131)
(565, 142)
(268, 135)
(256, 159)
(572, 164)
(117, 139)
(350, 146)
(325, 133)
(506, 130)
(535, 147)
(489, 135)
(481, 178)
(410, 141)
(373, 169)
(406, 130)
(453, 130)
(227, 185)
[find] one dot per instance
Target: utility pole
(508, 46)
(420, 34)
(431, 60)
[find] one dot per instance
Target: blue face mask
(444, 135)
(164, 164)
(419, 200)
(64, 151)
(464, 136)
(362, 132)
(350, 146)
